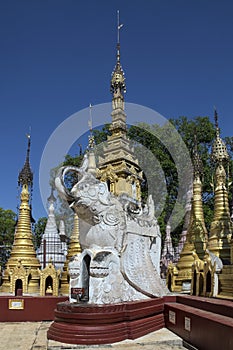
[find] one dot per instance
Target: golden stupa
(22, 268)
(179, 276)
(221, 227)
(118, 166)
(220, 240)
(73, 249)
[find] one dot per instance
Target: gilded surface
(179, 277)
(22, 266)
(49, 273)
(118, 165)
(22, 251)
(73, 249)
(221, 227)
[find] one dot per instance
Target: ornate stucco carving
(121, 259)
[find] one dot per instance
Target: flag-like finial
(118, 79)
(90, 118)
(91, 139)
(119, 26)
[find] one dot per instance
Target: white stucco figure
(122, 255)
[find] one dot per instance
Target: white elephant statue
(123, 244)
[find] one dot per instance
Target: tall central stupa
(118, 166)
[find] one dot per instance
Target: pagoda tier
(73, 249)
(118, 166)
(53, 244)
(180, 275)
(22, 267)
(221, 227)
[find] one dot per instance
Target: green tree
(101, 135)
(150, 148)
(159, 168)
(71, 177)
(7, 229)
(38, 231)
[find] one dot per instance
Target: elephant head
(88, 197)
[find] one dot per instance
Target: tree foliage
(154, 146)
(7, 229)
(39, 228)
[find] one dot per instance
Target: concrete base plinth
(105, 324)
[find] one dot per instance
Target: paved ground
(33, 336)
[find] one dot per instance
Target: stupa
(221, 227)
(22, 269)
(119, 267)
(74, 248)
(52, 248)
(188, 207)
(118, 166)
(213, 273)
(168, 253)
(179, 276)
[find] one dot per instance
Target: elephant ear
(138, 269)
(60, 186)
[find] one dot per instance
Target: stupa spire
(118, 87)
(23, 250)
(221, 227)
(197, 235)
(197, 163)
(219, 152)
(197, 229)
(168, 253)
(73, 249)
(216, 122)
(51, 248)
(118, 165)
(91, 145)
(26, 175)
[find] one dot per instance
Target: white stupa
(53, 244)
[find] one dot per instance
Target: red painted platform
(205, 323)
(103, 324)
(34, 308)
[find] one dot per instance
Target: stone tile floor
(33, 336)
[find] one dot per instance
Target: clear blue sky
(57, 57)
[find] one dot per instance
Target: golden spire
(74, 245)
(221, 227)
(197, 231)
(118, 88)
(118, 166)
(91, 144)
(196, 237)
(73, 249)
(23, 249)
(219, 152)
